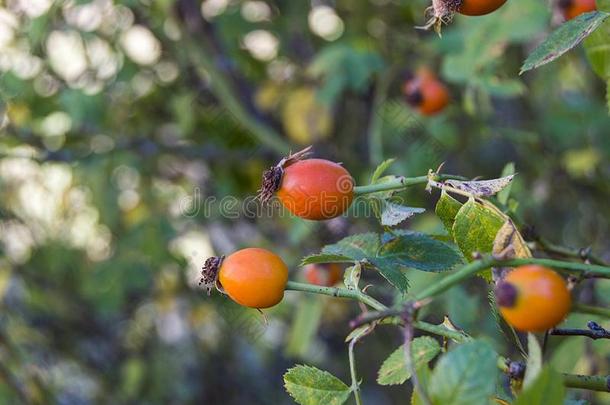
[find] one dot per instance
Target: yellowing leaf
(510, 242)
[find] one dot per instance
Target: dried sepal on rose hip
(533, 298)
(442, 11)
(315, 189)
(252, 277)
(209, 273)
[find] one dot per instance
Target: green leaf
(598, 50)
(394, 214)
(547, 388)
(509, 169)
(325, 258)
(416, 250)
(475, 228)
(534, 360)
(381, 169)
(365, 246)
(566, 37)
(357, 247)
(465, 376)
(392, 254)
(394, 369)
(597, 46)
(447, 208)
(311, 386)
(304, 326)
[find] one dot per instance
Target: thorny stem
(352, 364)
(408, 337)
(401, 182)
(582, 253)
(395, 315)
(456, 277)
(585, 268)
(336, 292)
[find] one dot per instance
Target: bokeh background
(121, 119)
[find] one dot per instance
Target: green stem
(591, 310)
(440, 330)
(487, 262)
(454, 278)
(336, 292)
(584, 253)
(401, 182)
(595, 383)
(588, 269)
(587, 382)
(352, 365)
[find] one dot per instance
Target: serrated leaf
(534, 360)
(475, 228)
(304, 326)
(447, 208)
(503, 195)
(381, 169)
(404, 250)
(482, 188)
(464, 376)
(365, 247)
(394, 214)
(325, 258)
(564, 38)
(357, 247)
(547, 388)
(398, 253)
(311, 386)
(394, 369)
(351, 276)
(418, 251)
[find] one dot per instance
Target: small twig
(585, 253)
(409, 318)
(352, 363)
(401, 182)
(594, 331)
